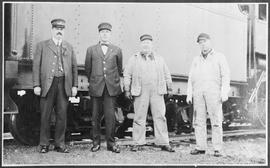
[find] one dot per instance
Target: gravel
(237, 151)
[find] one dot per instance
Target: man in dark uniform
(55, 79)
(103, 65)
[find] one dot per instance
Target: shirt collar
(151, 55)
(104, 43)
(57, 41)
(208, 54)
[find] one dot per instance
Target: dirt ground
(237, 151)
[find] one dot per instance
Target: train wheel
(23, 130)
(25, 125)
(171, 115)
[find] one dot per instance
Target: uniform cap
(146, 37)
(203, 36)
(58, 23)
(106, 26)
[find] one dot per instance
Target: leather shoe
(197, 152)
(114, 149)
(44, 149)
(95, 148)
(167, 148)
(217, 153)
(61, 149)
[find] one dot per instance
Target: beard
(58, 36)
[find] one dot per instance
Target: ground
(237, 150)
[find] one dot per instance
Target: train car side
(174, 28)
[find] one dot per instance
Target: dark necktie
(104, 44)
(144, 55)
(206, 54)
(59, 61)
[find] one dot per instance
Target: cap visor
(104, 29)
(59, 26)
(146, 39)
(201, 39)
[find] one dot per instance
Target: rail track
(190, 138)
(174, 138)
(185, 138)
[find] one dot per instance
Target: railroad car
(237, 30)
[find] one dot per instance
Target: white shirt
(57, 42)
(104, 47)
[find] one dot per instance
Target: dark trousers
(56, 99)
(107, 103)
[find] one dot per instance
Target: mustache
(59, 33)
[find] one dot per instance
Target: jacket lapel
(63, 56)
(52, 46)
(64, 48)
(109, 51)
(99, 50)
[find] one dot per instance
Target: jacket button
(52, 70)
(53, 63)
(104, 75)
(104, 62)
(104, 69)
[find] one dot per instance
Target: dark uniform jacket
(44, 62)
(104, 70)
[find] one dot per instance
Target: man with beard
(55, 79)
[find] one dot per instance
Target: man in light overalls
(209, 85)
(147, 79)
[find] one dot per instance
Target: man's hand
(128, 95)
(224, 96)
(189, 99)
(37, 90)
(74, 91)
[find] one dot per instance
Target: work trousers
(208, 102)
(149, 96)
